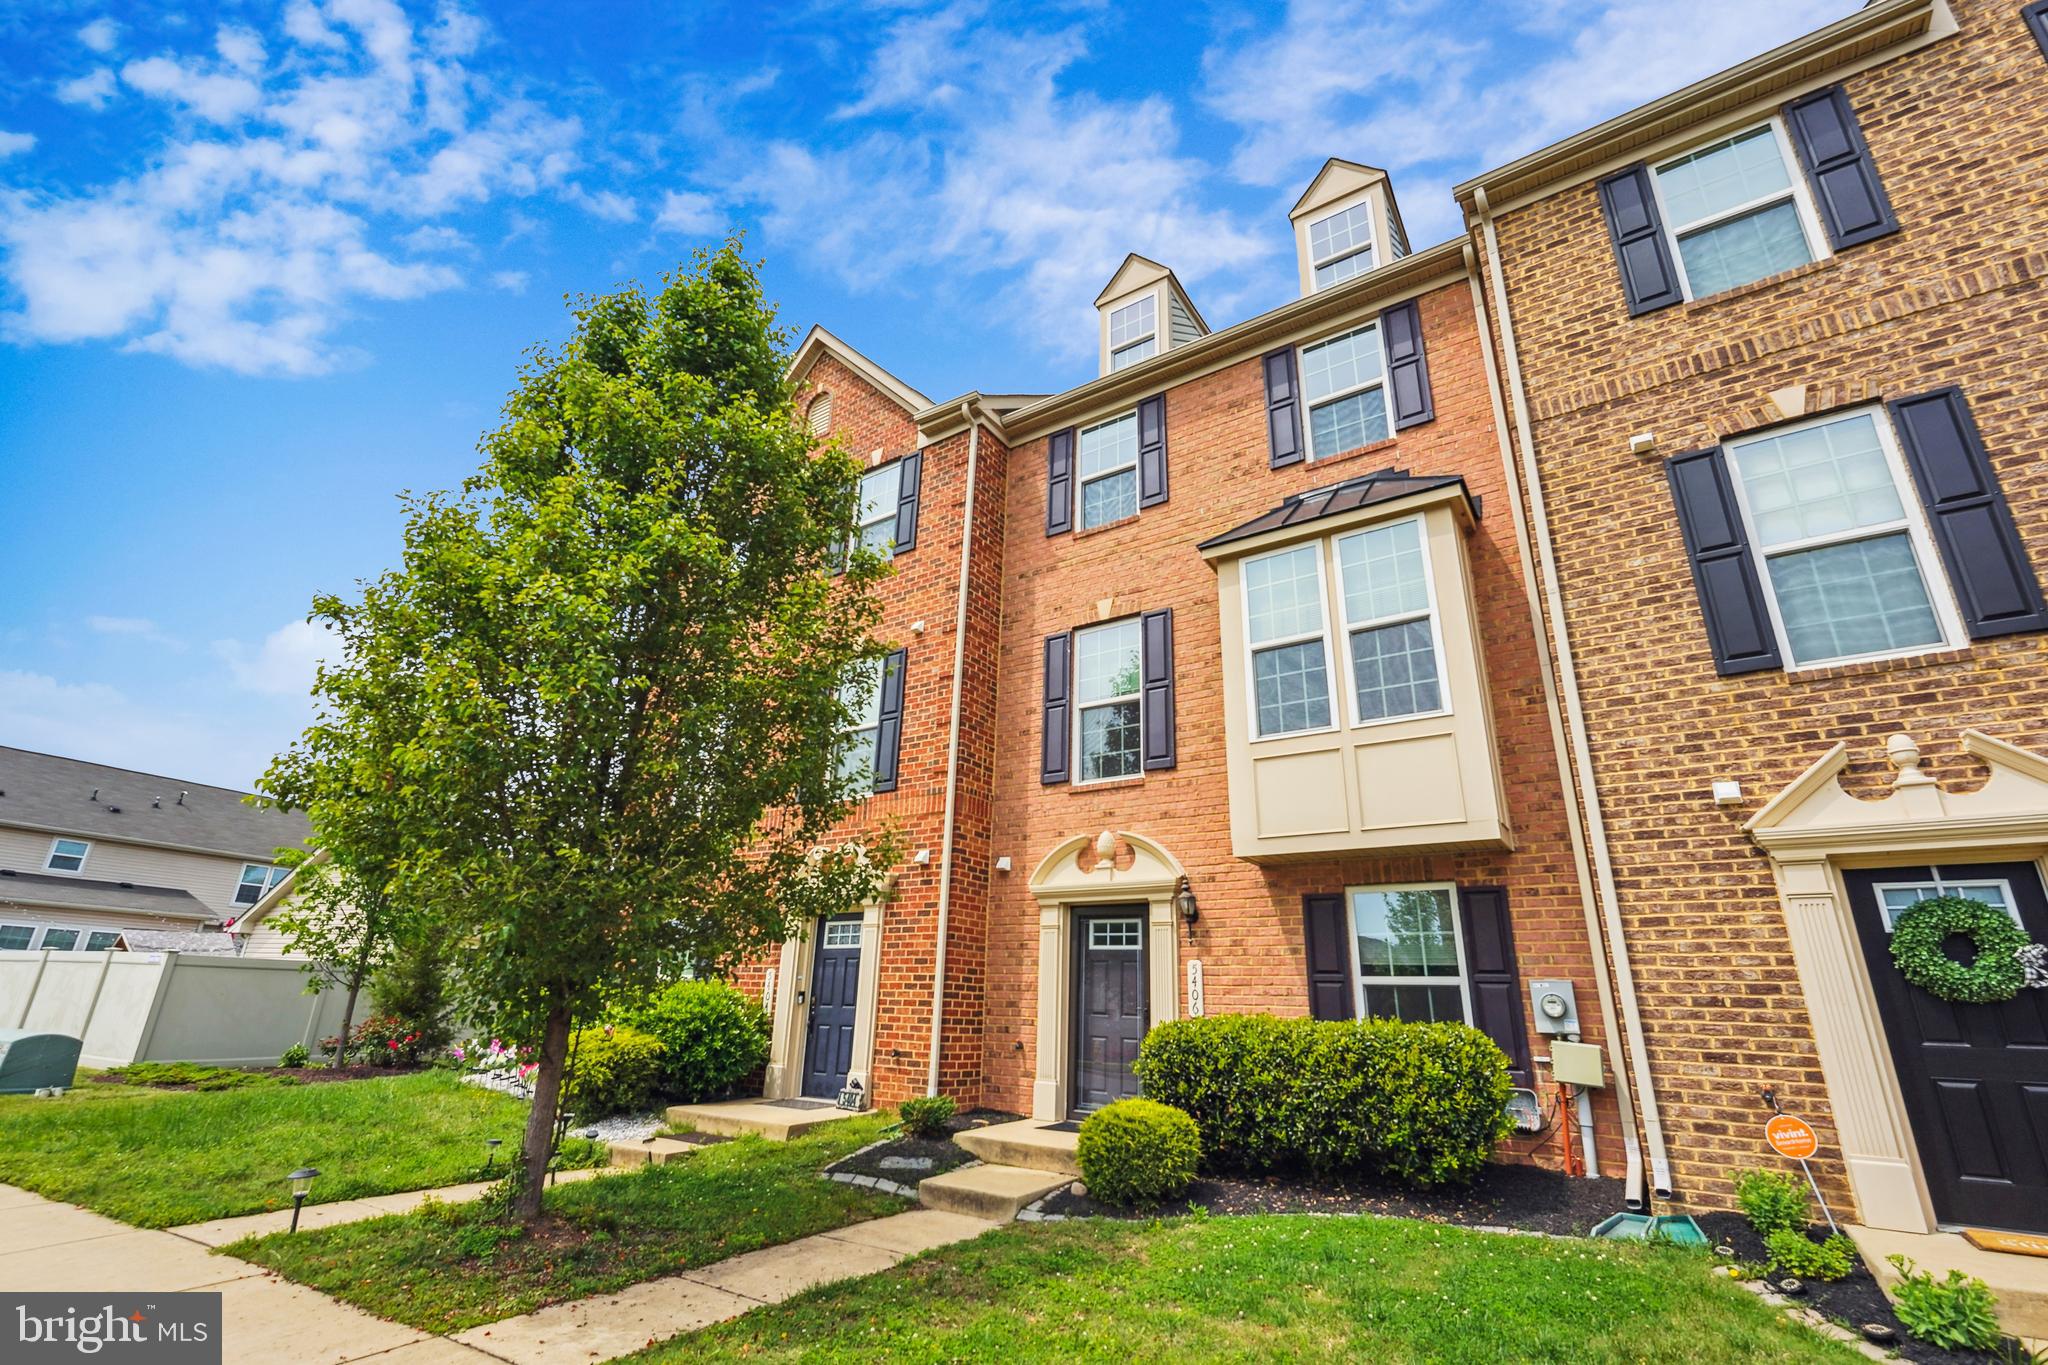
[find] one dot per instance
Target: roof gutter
(968, 416)
(1623, 987)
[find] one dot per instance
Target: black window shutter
(1152, 451)
(1838, 166)
(1056, 761)
(1156, 707)
(1283, 408)
(1987, 563)
(1648, 276)
(910, 477)
(1723, 569)
(1490, 976)
(1059, 482)
(1407, 366)
(889, 735)
(1328, 940)
(2037, 21)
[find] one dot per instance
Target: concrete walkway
(221, 1231)
(45, 1245)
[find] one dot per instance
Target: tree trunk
(538, 1145)
(348, 1019)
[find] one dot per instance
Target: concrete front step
(2019, 1282)
(1030, 1143)
(651, 1151)
(993, 1193)
(771, 1119)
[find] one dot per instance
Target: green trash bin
(31, 1061)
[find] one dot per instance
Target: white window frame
(1914, 523)
(33, 926)
(1308, 425)
(1137, 696)
(1944, 886)
(1799, 192)
(92, 934)
(1081, 484)
(1358, 977)
(83, 858)
(1351, 627)
(1097, 922)
(894, 468)
(837, 931)
(43, 938)
(272, 875)
(1251, 651)
(871, 720)
(1372, 244)
(1136, 340)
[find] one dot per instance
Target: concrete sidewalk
(221, 1231)
(45, 1245)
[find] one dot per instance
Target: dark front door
(835, 989)
(1975, 1076)
(1109, 1005)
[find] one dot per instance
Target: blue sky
(263, 265)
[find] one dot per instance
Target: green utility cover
(31, 1061)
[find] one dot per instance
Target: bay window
(1288, 634)
(1390, 623)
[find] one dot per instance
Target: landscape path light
(302, 1185)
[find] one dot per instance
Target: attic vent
(821, 415)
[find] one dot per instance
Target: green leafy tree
(347, 931)
(603, 689)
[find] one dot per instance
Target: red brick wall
(1954, 297)
(1250, 935)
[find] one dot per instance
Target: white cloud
(511, 281)
(690, 213)
(1433, 98)
(92, 90)
(606, 204)
(12, 143)
(138, 627)
(283, 664)
(1026, 177)
(287, 190)
(99, 35)
(102, 724)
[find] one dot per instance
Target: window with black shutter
(1491, 983)
(1327, 938)
(1648, 276)
(1723, 570)
(1157, 670)
(1407, 366)
(1059, 482)
(910, 480)
(1838, 165)
(1056, 715)
(1283, 409)
(889, 722)
(1152, 451)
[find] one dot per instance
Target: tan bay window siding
(1375, 732)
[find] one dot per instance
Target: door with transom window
(1111, 1010)
(1975, 1077)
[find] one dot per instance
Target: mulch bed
(1850, 1302)
(943, 1154)
(1527, 1197)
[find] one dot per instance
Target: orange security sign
(1791, 1137)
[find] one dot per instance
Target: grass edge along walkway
(1271, 1287)
(446, 1268)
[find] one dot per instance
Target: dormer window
(1340, 245)
(1134, 332)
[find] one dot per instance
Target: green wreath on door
(1999, 971)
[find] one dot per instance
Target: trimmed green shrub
(611, 1070)
(295, 1057)
(413, 990)
(1958, 1313)
(712, 1037)
(1419, 1103)
(1773, 1201)
(1138, 1152)
(925, 1116)
(1794, 1253)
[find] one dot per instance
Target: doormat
(1070, 1126)
(805, 1104)
(2018, 1243)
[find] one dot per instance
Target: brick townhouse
(1589, 628)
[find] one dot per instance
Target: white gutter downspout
(1632, 1147)
(1603, 863)
(931, 1085)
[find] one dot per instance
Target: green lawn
(450, 1267)
(158, 1158)
(1269, 1288)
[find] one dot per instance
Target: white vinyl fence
(167, 1007)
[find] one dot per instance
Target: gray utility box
(32, 1061)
